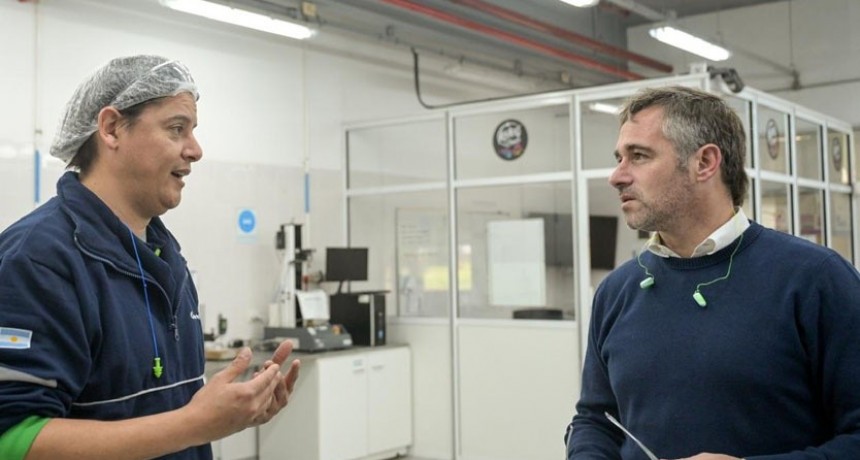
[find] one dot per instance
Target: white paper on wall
(517, 272)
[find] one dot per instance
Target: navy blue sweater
(769, 369)
(69, 275)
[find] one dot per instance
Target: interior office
(275, 114)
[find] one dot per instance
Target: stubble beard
(664, 212)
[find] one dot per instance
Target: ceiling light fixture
(582, 3)
(690, 43)
(240, 17)
(603, 107)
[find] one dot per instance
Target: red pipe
(540, 26)
(516, 39)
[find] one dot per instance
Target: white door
(390, 399)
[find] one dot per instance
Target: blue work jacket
(71, 292)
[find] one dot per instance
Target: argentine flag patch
(18, 339)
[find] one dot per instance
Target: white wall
(819, 38)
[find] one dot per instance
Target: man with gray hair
(101, 346)
(723, 339)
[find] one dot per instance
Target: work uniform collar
(98, 230)
(719, 239)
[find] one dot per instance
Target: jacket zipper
(173, 321)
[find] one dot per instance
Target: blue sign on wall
(247, 222)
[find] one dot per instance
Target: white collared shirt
(721, 238)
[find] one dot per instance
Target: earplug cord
(649, 280)
(728, 271)
(156, 368)
(697, 295)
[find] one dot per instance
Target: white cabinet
(343, 407)
(349, 405)
(237, 446)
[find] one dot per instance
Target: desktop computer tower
(362, 314)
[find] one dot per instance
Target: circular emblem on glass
(836, 153)
(510, 139)
(771, 135)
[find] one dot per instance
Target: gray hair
(693, 118)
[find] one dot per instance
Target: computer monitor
(346, 264)
(558, 230)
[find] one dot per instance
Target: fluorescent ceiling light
(239, 17)
(690, 43)
(581, 3)
(603, 107)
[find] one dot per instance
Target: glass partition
(749, 203)
(408, 252)
(513, 142)
(776, 205)
(611, 241)
(808, 141)
(840, 222)
(742, 108)
(600, 127)
(855, 165)
(772, 132)
(811, 207)
(837, 149)
(516, 250)
(508, 186)
(403, 153)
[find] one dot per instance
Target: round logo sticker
(836, 153)
(510, 139)
(771, 135)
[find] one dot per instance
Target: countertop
(260, 357)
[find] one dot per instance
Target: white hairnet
(121, 83)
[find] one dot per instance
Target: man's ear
(108, 126)
(708, 160)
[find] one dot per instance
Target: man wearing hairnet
(101, 347)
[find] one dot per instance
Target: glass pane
(742, 108)
(390, 155)
(407, 238)
(840, 221)
(776, 205)
(748, 206)
(808, 141)
(855, 164)
(514, 142)
(516, 251)
(599, 133)
(837, 150)
(773, 150)
(811, 207)
(611, 241)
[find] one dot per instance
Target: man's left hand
(287, 383)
